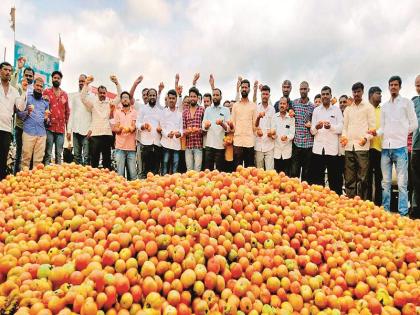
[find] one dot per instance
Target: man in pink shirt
(125, 137)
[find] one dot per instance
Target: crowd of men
(355, 142)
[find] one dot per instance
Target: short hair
(5, 64)
(57, 72)
(207, 95)
(304, 82)
(226, 102)
(373, 90)
(200, 95)
(357, 86)
(102, 87)
(151, 89)
(395, 78)
(40, 79)
(194, 90)
(83, 75)
(287, 82)
(283, 97)
(172, 92)
(246, 82)
(29, 69)
(317, 96)
(145, 89)
(265, 88)
(220, 91)
(326, 88)
(344, 95)
(125, 93)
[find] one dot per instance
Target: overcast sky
(329, 42)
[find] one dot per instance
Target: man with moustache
(124, 127)
(244, 116)
(79, 123)
(286, 88)
(149, 123)
(215, 126)
(192, 119)
(100, 132)
(28, 75)
(9, 98)
(398, 120)
(171, 124)
(60, 113)
(264, 143)
(303, 140)
(326, 126)
(359, 118)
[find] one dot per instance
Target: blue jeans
(193, 159)
(124, 159)
(399, 157)
(81, 149)
(170, 157)
(57, 140)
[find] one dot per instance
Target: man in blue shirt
(35, 116)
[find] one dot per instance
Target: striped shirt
(303, 114)
(195, 139)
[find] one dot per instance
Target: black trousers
(19, 143)
(323, 162)
(151, 156)
(340, 164)
(5, 139)
(101, 145)
(301, 158)
(415, 173)
(243, 155)
(213, 157)
(282, 165)
(374, 179)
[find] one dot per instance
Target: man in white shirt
(149, 123)
(79, 123)
(100, 132)
(171, 124)
(283, 131)
(264, 143)
(398, 120)
(326, 126)
(215, 125)
(9, 98)
(359, 118)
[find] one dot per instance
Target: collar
(396, 99)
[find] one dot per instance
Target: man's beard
(152, 102)
(244, 94)
(216, 103)
(193, 104)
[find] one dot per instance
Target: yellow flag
(13, 18)
(61, 49)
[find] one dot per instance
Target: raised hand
(114, 79)
(256, 84)
(138, 80)
(211, 80)
(176, 79)
(89, 79)
(161, 87)
(196, 77)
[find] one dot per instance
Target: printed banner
(42, 63)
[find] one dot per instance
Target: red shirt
(194, 140)
(59, 108)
